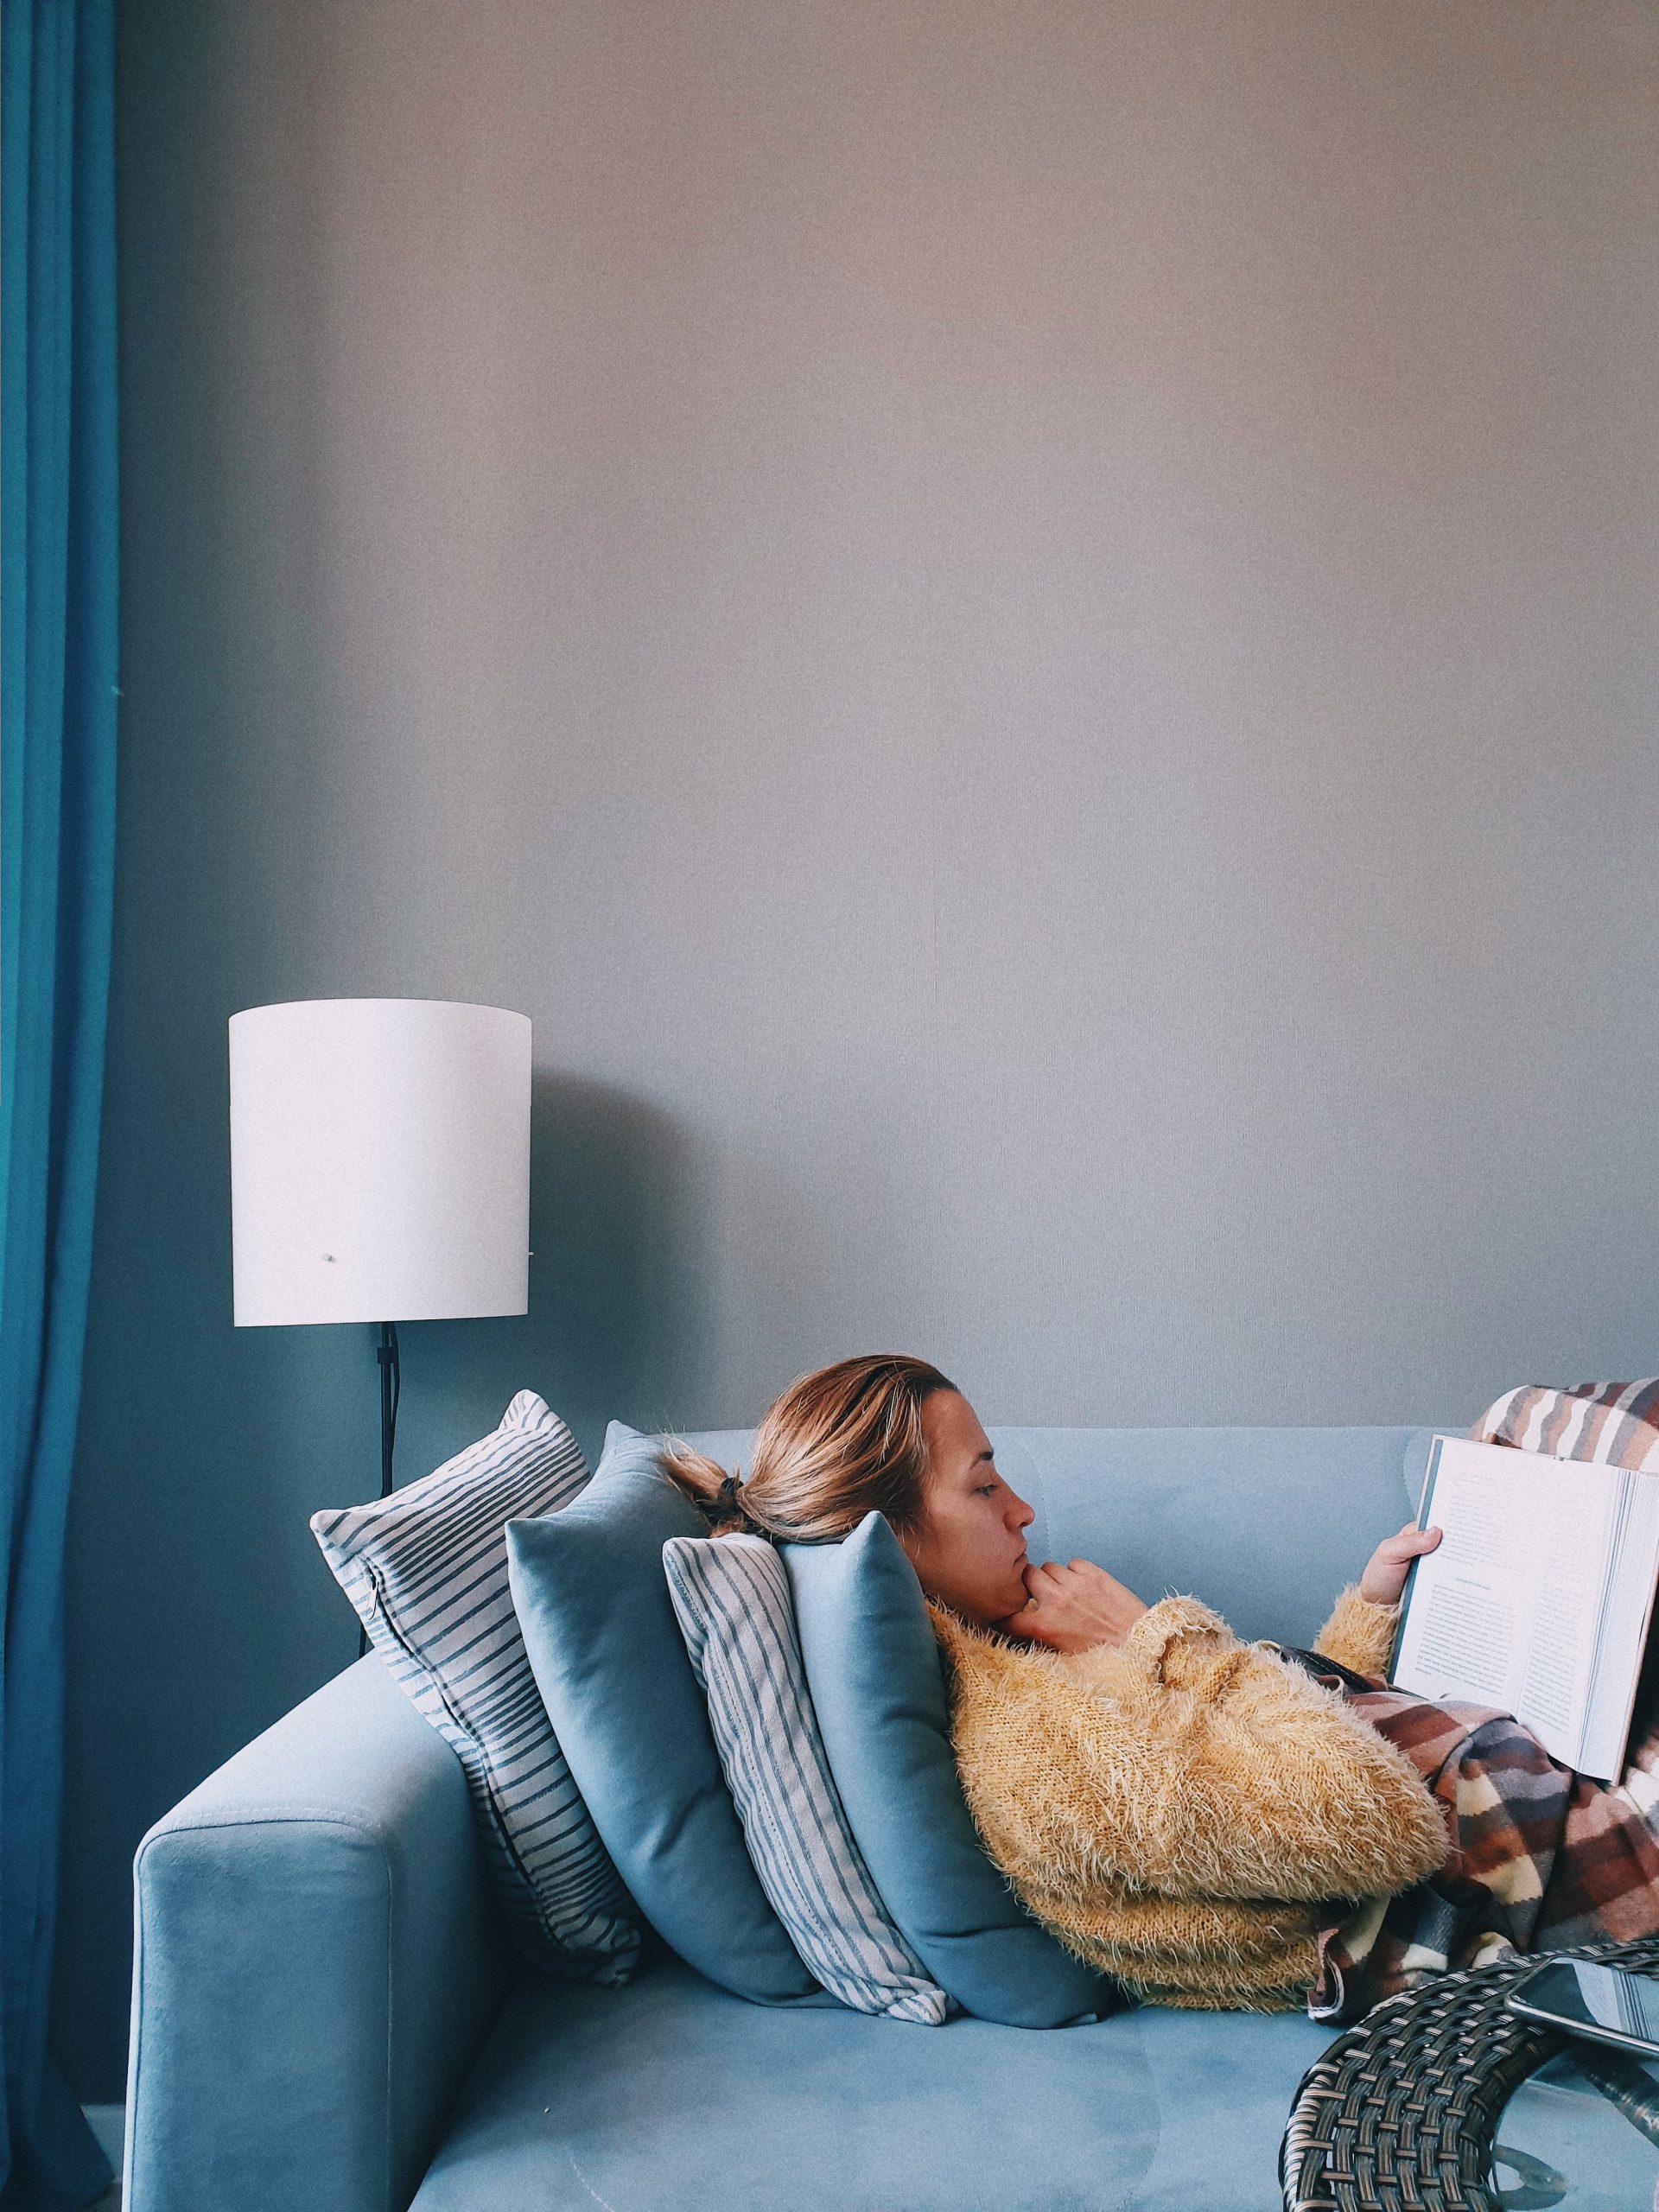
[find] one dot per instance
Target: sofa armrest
(318, 1960)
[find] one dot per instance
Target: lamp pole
(390, 1384)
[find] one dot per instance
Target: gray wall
(1027, 631)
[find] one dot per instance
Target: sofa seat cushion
(672, 2096)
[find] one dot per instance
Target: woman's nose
(1020, 1514)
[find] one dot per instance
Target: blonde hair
(840, 1443)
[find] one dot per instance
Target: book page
(1505, 1612)
(1462, 1627)
(1555, 1687)
(1627, 1612)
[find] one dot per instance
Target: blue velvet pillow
(606, 1649)
(877, 1690)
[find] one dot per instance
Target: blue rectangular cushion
(877, 1690)
(592, 1603)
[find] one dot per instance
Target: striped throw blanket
(1614, 1423)
(1543, 1859)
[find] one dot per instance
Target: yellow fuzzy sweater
(1183, 1810)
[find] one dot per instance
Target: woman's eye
(988, 1490)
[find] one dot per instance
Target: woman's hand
(1390, 1563)
(1073, 1608)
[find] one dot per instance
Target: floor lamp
(379, 1169)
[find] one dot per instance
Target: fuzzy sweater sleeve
(1181, 1762)
(1360, 1635)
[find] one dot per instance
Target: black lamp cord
(386, 1353)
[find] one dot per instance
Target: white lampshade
(379, 1161)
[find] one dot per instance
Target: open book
(1538, 1599)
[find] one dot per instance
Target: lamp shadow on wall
(617, 1301)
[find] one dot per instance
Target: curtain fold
(57, 557)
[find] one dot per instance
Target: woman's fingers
(1041, 1621)
(1069, 1572)
(1413, 1541)
(1384, 1578)
(1074, 1607)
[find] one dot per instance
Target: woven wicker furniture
(1401, 2111)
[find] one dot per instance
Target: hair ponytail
(709, 1485)
(840, 1443)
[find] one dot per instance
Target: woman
(1216, 1823)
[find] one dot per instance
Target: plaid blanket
(1543, 1858)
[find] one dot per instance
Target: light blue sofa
(324, 2019)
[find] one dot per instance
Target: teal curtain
(57, 860)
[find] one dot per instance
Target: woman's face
(969, 1549)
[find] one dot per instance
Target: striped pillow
(732, 1596)
(427, 1570)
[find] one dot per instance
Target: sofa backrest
(1265, 1524)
